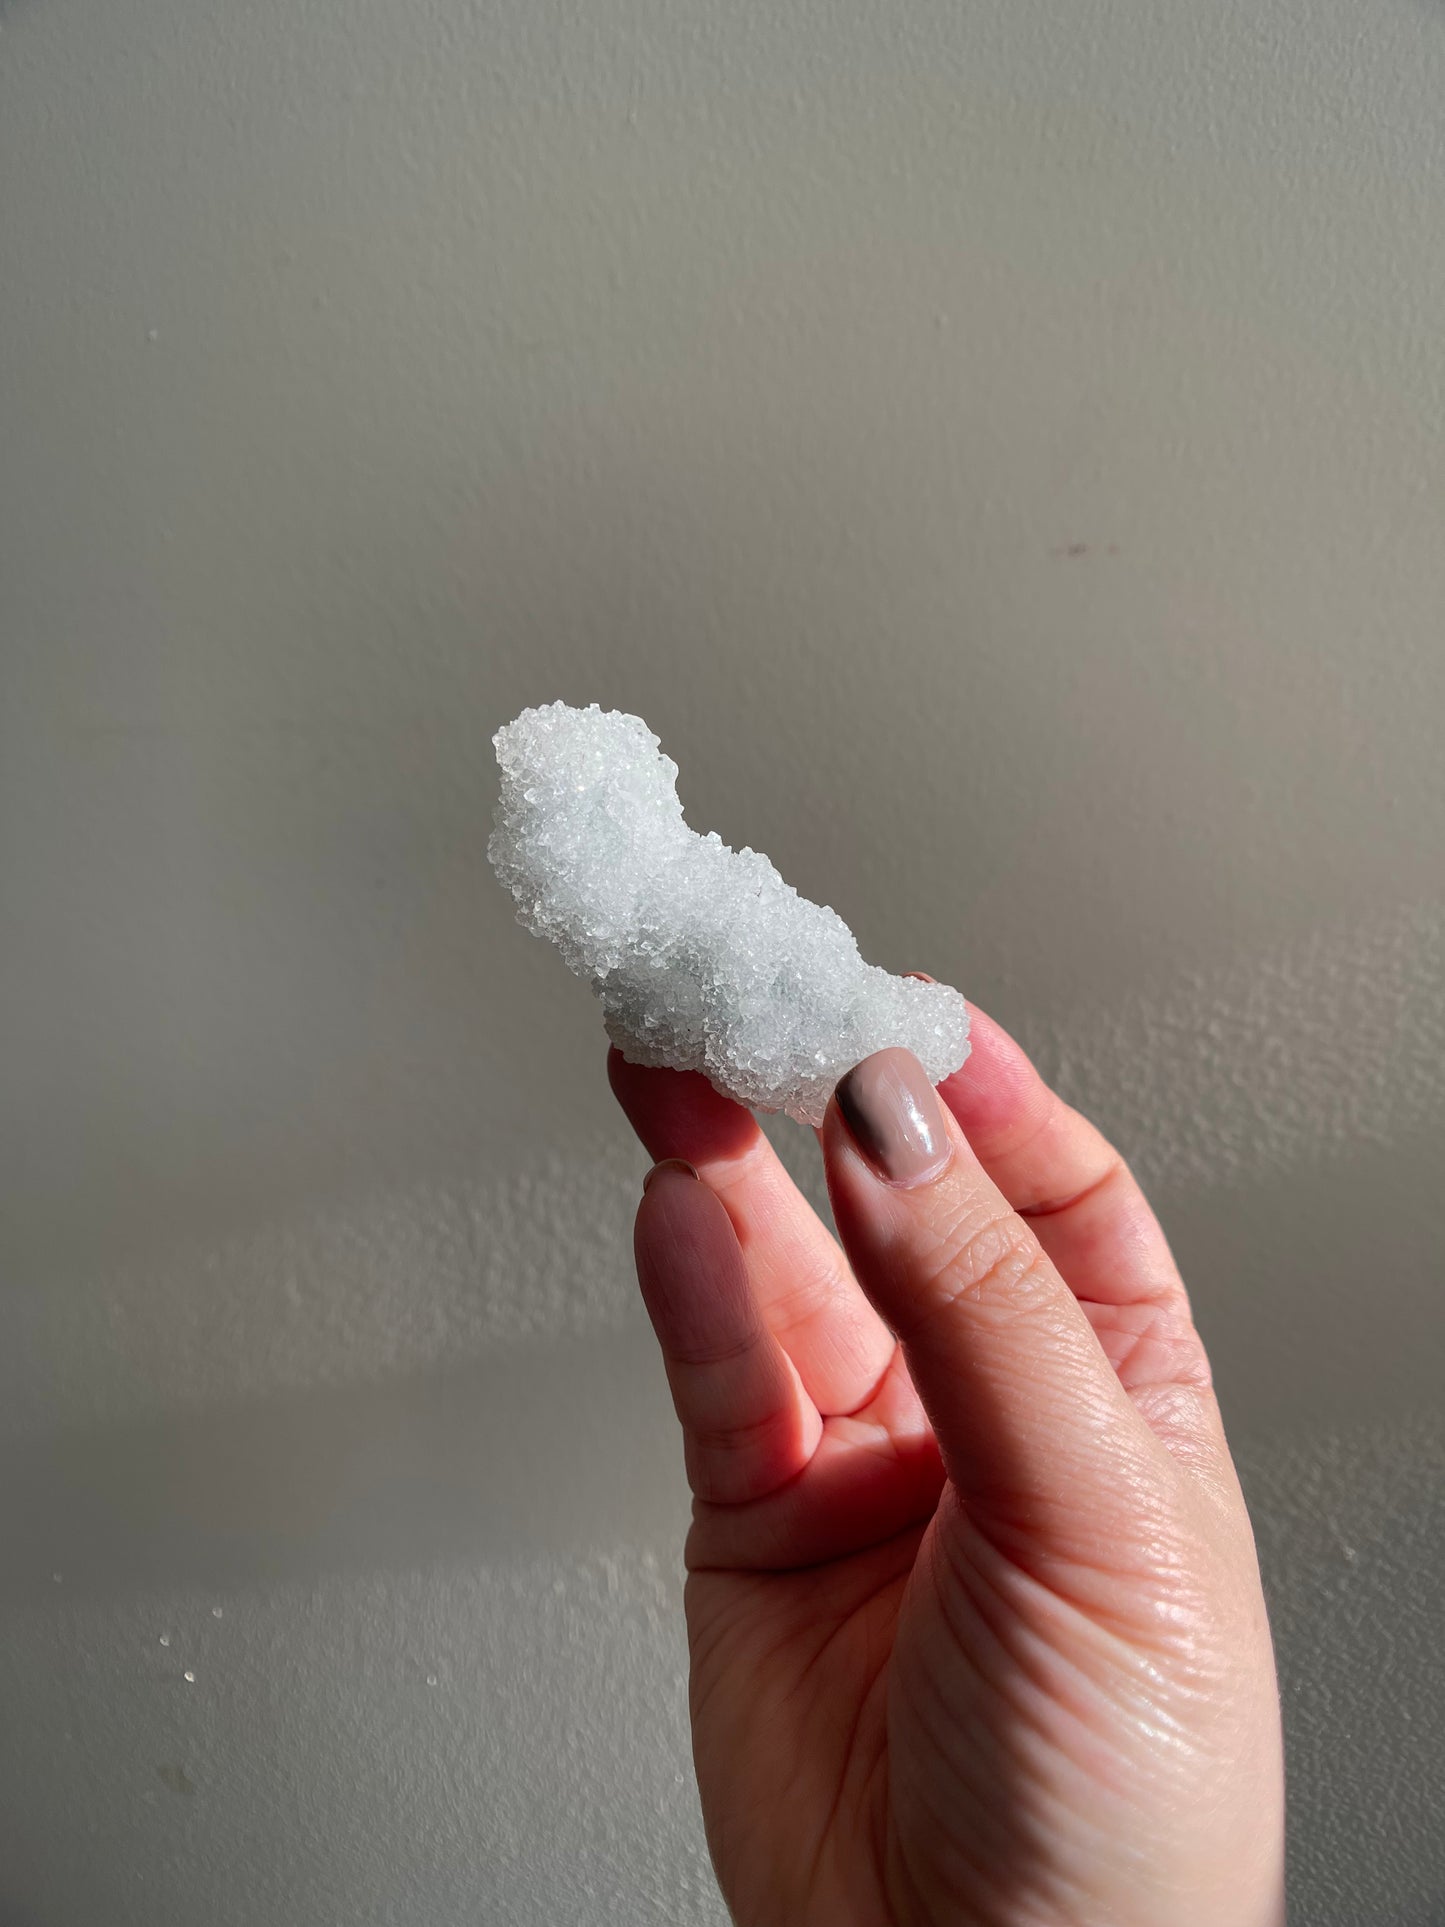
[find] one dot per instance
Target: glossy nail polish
(890, 1108)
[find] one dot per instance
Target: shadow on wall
(1351, 1522)
(1286, 1253)
(499, 1460)
(292, 940)
(294, 948)
(495, 1462)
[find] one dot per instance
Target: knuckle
(732, 1460)
(980, 1260)
(1179, 1354)
(731, 1436)
(706, 1352)
(1152, 1342)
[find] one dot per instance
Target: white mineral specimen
(703, 957)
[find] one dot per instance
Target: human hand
(974, 1613)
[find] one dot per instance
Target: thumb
(1038, 1436)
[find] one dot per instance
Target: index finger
(1085, 1207)
(1059, 1172)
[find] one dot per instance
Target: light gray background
(998, 446)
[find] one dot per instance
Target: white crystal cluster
(703, 958)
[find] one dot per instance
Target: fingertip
(622, 1079)
(879, 1218)
(686, 1248)
(679, 1113)
(996, 1095)
(626, 1078)
(887, 1113)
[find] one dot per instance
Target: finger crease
(706, 1356)
(874, 1389)
(1051, 1208)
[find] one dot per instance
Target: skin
(973, 1606)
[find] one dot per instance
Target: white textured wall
(999, 447)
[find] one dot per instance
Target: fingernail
(922, 976)
(670, 1164)
(889, 1105)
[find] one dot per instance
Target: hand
(975, 1618)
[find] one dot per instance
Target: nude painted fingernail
(889, 1106)
(922, 976)
(670, 1164)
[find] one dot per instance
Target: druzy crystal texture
(703, 958)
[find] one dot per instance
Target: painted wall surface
(999, 447)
